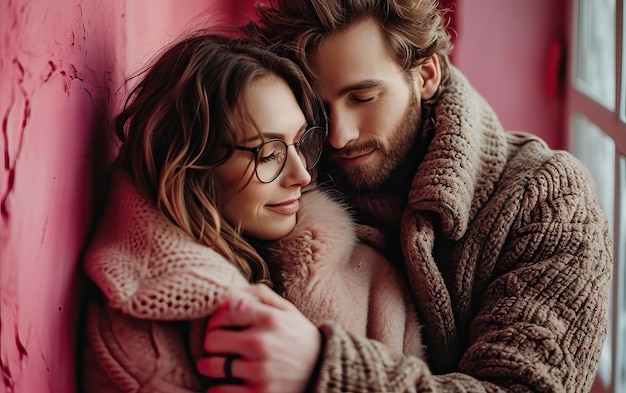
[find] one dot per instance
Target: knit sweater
(153, 280)
(157, 286)
(508, 255)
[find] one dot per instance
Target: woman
(218, 139)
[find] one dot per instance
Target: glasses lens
(270, 160)
(311, 145)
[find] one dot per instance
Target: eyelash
(269, 158)
(358, 100)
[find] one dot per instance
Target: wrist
(315, 372)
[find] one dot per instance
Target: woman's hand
(272, 346)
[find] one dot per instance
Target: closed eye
(268, 158)
(361, 100)
(273, 156)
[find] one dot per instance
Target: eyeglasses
(271, 155)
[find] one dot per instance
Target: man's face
(374, 107)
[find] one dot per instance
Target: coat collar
(464, 160)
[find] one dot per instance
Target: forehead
(268, 105)
(359, 52)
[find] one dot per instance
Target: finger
(226, 341)
(240, 372)
(235, 312)
(226, 388)
(267, 296)
(211, 366)
(226, 368)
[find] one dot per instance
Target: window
(620, 342)
(596, 113)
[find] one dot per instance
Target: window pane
(595, 58)
(620, 364)
(597, 151)
(623, 90)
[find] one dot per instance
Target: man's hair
(414, 29)
(183, 119)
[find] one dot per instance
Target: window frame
(613, 124)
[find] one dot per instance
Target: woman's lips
(286, 208)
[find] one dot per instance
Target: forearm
(533, 332)
(124, 354)
(542, 324)
(356, 364)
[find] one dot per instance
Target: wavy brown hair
(181, 121)
(414, 29)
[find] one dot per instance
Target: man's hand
(273, 347)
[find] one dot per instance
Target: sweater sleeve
(125, 354)
(188, 285)
(539, 323)
(352, 363)
(543, 317)
(149, 268)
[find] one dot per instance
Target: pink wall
(506, 49)
(58, 71)
(61, 64)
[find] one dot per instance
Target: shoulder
(543, 174)
(137, 252)
(133, 228)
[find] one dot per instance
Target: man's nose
(342, 128)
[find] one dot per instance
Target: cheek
(231, 213)
(233, 177)
(244, 207)
(390, 113)
(233, 182)
(381, 119)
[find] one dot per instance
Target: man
(503, 241)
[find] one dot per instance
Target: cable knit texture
(328, 272)
(153, 278)
(508, 255)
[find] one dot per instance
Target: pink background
(61, 64)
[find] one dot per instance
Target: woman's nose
(295, 168)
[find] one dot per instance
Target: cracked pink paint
(61, 67)
(47, 181)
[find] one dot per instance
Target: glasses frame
(257, 149)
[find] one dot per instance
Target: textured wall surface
(61, 65)
(512, 51)
(58, 72)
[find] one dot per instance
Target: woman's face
(264, 211)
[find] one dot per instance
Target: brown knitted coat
(508, 254)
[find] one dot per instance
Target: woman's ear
(427, 77)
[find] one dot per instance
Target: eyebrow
(272, 135)
(361, 85)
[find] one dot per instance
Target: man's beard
(399, 146)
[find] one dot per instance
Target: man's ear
(427, 77)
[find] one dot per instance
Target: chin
(278, 231)
(367, 178)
